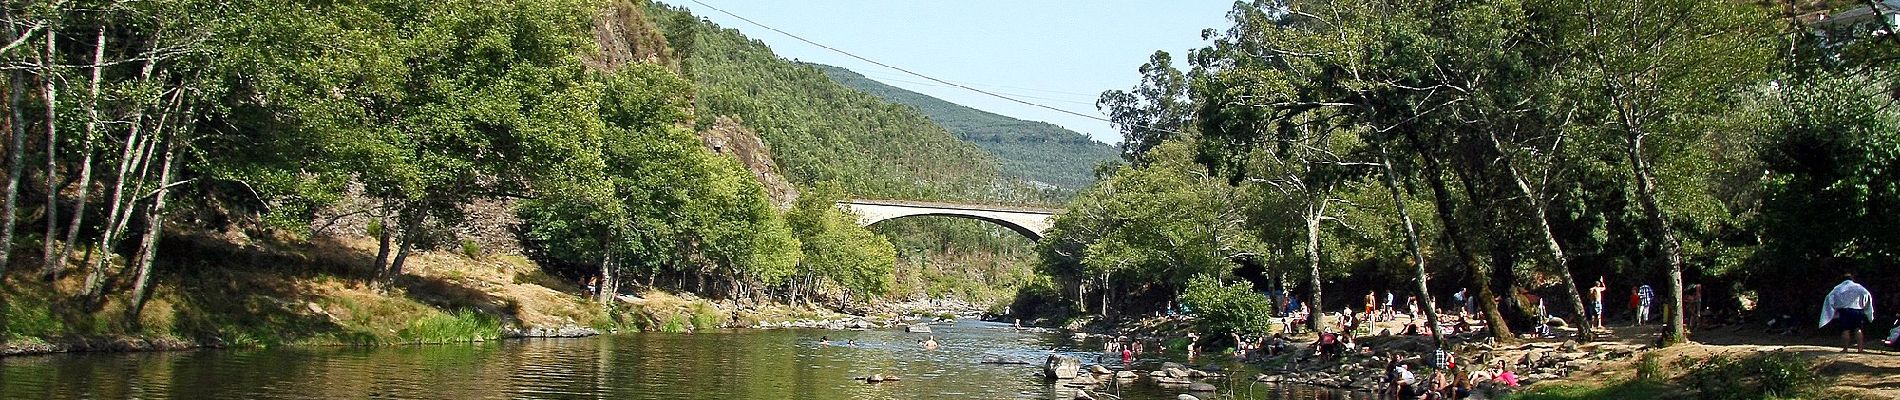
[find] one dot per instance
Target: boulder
(1098, 369)
(1172, 365)
(917, 328)
(1185, 396)
(1568, 346)
(1083, 395)
(1061, 367)
(1201, 387)
(1126, 375)
(1169, 380)
(1195, 373)
(1082, 381)
(1176, 373)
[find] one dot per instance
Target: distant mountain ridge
(1027, 150)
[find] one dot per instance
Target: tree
(1652, 77)
(1155, 111)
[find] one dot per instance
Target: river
(740, 364)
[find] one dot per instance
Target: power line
(912, 73)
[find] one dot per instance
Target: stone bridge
(1029, 222)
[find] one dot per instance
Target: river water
(746, 364)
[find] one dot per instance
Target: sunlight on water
(777, 364)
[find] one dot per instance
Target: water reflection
(780, 364)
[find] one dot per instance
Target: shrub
(1775, 374)
(471, 249)
(1649, 368)
(1220, 308)
(705, 316)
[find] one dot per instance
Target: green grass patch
(457, 327)
(1629, 389)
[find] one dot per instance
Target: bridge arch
(1031, 223)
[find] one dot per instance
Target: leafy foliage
(1220, 307)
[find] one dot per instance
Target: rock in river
(1201, 387)
(1061, 367)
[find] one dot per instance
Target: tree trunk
(1316, 213)
(605, 289)
(383, 233)
(1551, 245)
(85, 163)
(137, 144)
(16, 164)
(154, 227)
(411, 227)
(1672, 249)
(1411, 244)
(50, 94)
(1447, 215)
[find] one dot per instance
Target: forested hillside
(820, 130)
(1026, 150)
(1510, 148)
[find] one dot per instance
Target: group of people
(1449, 378)
(1125, 347)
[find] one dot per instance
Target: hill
(819, 130)
(1027, 150)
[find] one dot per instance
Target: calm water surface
(775, 364)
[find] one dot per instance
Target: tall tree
(1653, 76)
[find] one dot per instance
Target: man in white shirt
(1849, 306)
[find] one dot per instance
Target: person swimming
(931, 343)
(824, 340)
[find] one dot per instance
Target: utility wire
(913, 73)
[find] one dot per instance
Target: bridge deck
(956, 206)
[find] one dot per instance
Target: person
(1401, 378)
(1596, 301)
(931, 343)
(1505, 375)
(1372, 303)
(1440, 385)
(824, 340)
(1849, 307)
(1893, 336)
(1692, 306)
(1193, 345)
(593, 285)
(1388, 306)
(1643, 295)
(1411, 303)
(1327, 345)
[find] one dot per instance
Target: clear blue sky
(1060, 53)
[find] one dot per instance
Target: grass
(1628, 389)
(457, 327)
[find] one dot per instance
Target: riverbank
(1623, 363)
(319, 293)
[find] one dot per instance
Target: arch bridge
(1030, 222)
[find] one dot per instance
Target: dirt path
(1874, 373)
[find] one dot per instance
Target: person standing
(1849, 307)
(1596, 301)
(1644, 295)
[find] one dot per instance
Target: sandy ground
(1874, 373)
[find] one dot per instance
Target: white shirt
(1847, 295)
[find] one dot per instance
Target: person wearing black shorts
(1848, 307)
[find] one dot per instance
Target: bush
(471, 249)
(1220, 308)
(1775, 374)
(1649, 368)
